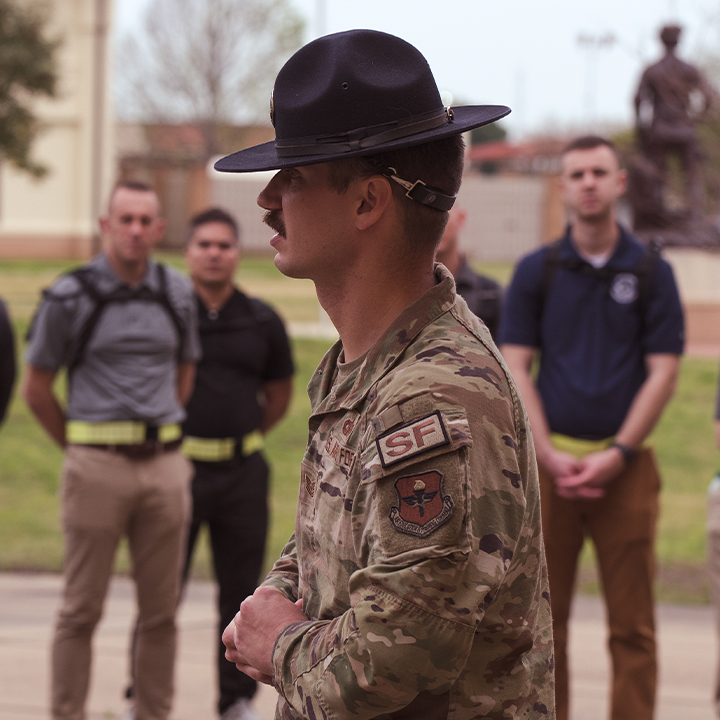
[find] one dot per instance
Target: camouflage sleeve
(437, 517)
(284, 573)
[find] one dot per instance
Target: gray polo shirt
(129, 366)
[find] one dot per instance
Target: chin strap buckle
(419, 192)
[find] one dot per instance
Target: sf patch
(422, 507)
(412, 439)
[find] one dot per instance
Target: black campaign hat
(354, 93)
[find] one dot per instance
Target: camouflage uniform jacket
(417, 549)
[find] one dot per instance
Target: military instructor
(415, 583)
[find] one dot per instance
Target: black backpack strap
(101, 301)
(550, 265)
(82, 275)
(163, 299)
(646, 271)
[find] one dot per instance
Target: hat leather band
(360, 139)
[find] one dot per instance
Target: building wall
(56, 216)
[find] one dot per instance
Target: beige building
(56, 216)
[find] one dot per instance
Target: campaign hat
(354, 93)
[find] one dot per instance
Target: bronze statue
(672, 96)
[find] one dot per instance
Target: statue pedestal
(697, 272)
(702, 233)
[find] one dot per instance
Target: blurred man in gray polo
(125, 328)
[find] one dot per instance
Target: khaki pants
(106, 496)
(622, 527)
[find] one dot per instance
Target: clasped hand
(587, 478)
(250, 637)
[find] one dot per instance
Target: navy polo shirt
(590, 334)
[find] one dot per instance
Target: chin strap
(420, 192)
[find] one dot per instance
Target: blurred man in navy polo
(605, 312)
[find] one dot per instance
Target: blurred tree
(488, 133)
(27, 69)
(208, 62)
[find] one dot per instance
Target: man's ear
(159, 229)
(622, 181)
(375, 198)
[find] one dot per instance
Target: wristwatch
(628, 453)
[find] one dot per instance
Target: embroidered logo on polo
(412, 439)
(342, 455)
(422, 507)
(625, 288)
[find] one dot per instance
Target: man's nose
(269, 197)
(136, 227)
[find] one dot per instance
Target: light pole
(99, 40)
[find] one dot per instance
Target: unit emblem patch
(412, 439)
(422, 508)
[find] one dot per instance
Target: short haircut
(590, 142)
(439, 164)
(136, 185)
(212, 215)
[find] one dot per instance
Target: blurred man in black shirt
(242, 389)
(482, 294)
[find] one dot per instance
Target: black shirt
(244, 345)
(482, 294)
(7, 360)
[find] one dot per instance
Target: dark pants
(231, 497)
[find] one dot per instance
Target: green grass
(30, 536)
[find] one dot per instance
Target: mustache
(273, 220)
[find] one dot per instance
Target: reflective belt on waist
(219, 449)
(579, 448)
(123, 432)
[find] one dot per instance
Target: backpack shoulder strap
(551, 261)
(163, 299)
(100, 301)
(646, 271)
(85, 287)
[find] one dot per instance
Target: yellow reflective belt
(579, 448)
(208, 449)
(124, 432)
(252, 442)
(168, 433)
(220, 449)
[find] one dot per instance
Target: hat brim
(265, 157)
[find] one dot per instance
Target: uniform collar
(326, 396)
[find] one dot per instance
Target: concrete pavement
(28, 604)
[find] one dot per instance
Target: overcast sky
(549, 60)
